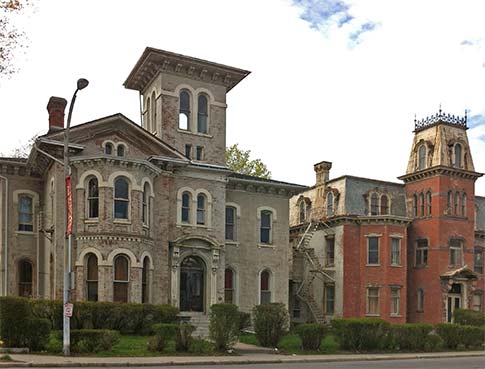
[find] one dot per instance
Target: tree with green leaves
(240, 162)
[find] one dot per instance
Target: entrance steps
(199, 320)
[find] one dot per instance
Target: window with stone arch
(374, 204)
(463, 205)
(449, 201)
(186, 206)
(92, 198)
(457, 155)
(265, 287)
(201, 209)
(145, 281)
(108, 148)
(428, 203)
(184, 110)
(121, 198)
(422, 157)
(457, 203)
(25, 278)
(302, 211)
(121, 279)
(148, 115)
(330, 204)
(91, 274)
(202, 113)
(120, 150)
(26, 213)
(146, 208)
(154, 113)
(384, 205)
(421, 204)
(415, 205)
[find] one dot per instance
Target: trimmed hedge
(224, 325)
(469, 317)
(270, 323)
(365, 334)
(454, 335)
(126, 318)
(411, 336)
(311, 335)
(15, 313)
(38, 333)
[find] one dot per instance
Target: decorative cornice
(440, 170)
(112, 237)
(440, 118)
(90, 161)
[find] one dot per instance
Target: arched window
(201, 206)
(120, 150)
(428, 202)
(265, 226)
(302, 209)
(148, 115)
(154, 112)
(422, 157)
(449, 201)
(202, 114)
(420, 300)
(229, 286)
(463, 205)
(265, 287)
(457, 156)
(92, 277)
(26, 214)
(145, 277)
(122, 199)
(231, 223)
(186, 201)
(25, 278)
(421, 204)
(374, 204)
(108, 148)
(184, 110)
(121, 279)
(145, 213)
(384, 205)
(457, 203)
(329, 204)
(93, 198)
(415, 205)
(456, 252)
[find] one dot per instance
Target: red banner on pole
(69, 205)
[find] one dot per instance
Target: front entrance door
(454, 301)
(192, 285)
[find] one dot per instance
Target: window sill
(266, 246)
(194, 133)
(122, 221)
(232, 243)
(396, 316)
(91, 220)
(368, 314)
(25, 233)
(396, 265)
(373, 265)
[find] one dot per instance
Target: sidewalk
(249, 355)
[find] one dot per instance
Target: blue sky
(331, 80)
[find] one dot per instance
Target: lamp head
(82, 83)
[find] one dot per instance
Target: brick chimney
(56, 107)
(322, 172)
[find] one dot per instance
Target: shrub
(469, 317)
(270, 323)
(356, 334)
(311, 335)
(184, 337)
(54, 343)
(471, 336)
(93, 340)
(14, 317)
(329, 345)
(433, 343)
(450, 334)
(410, 336)
(224, 325)
(37, 334)
(244, 321)
(51, 310)
(164, 334)
(200, 346)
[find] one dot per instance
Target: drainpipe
(5, 253)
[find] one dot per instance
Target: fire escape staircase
(317, 271)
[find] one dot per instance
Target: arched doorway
(192, 280)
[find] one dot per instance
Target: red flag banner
(69, 205)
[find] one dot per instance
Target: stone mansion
(159, 218)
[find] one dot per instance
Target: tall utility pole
(66, 342)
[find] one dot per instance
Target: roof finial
(466, 112)
(440, 110)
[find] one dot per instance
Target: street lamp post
(81, 83)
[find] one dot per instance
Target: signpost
(68, 308)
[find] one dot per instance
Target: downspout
(5, 253)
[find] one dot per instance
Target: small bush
(311, 335)
(411, 336)
(366, 334)
(270, 323)
(224, 325)
(14, 317)
(329, 345)
(200, 346)
(469, 317)
(450, 334)
(244, 321)
(155, 344)
(54, 343)
(38, 332)
(164, 334)
(184, 337)
(93, 340)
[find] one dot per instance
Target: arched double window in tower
(202, 113)
(121, 278)
(91, 277)
(184, 110)
(93, 198)
(121, 198)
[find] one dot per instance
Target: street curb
(295, 360)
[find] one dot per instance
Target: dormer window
(202, 114)
(184, 110)
(329, 204)
(384, 205)
(108, 149)
(422, 157)
(457, 154)
(302, 212)
(374, 204)
(120, 150)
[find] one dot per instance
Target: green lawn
(134, 346)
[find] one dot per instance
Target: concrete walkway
(248, 355)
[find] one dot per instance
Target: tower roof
(440, 118)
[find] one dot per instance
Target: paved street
(438, 363)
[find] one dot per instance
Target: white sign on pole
(68, 309)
